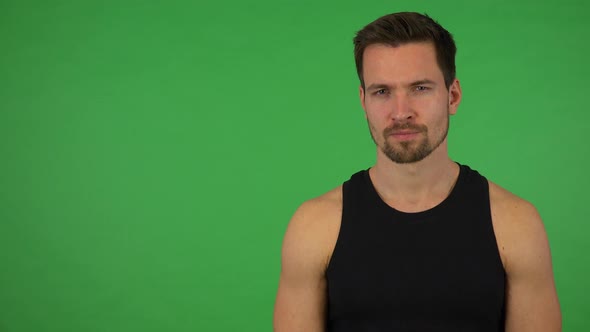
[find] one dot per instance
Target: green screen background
(153, 152)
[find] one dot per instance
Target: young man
(417, 242)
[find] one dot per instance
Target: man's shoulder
(313, 230)
(317, 209)
(509, 205)
(517, 225)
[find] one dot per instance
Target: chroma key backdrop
(153, 152)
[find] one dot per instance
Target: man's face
(405, 99)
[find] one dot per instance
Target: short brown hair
(406, 27)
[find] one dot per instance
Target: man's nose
(401, 109)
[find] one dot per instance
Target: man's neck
(415, 186)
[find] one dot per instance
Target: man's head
(404, 28)
(408, 87)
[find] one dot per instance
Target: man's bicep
(301, 297)
(531, 302)
(300, 306)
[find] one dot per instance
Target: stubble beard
(407, 152)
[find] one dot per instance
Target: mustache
(391, 130)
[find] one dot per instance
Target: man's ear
(362, 96)
(455, 95)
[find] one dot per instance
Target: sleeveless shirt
(435, 270)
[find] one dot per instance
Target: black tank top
(436, 270)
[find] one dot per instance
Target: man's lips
(405, 134)
(405, 131)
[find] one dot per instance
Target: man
(417, 242)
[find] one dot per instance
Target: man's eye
(380, 92)
(421, 88)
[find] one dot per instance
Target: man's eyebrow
(423, 82)
(376, 86)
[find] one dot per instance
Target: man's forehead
(407, 62)
(425, 48)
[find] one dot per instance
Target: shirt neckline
(414, 216)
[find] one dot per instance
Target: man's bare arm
(301, 297)
(531, 297)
